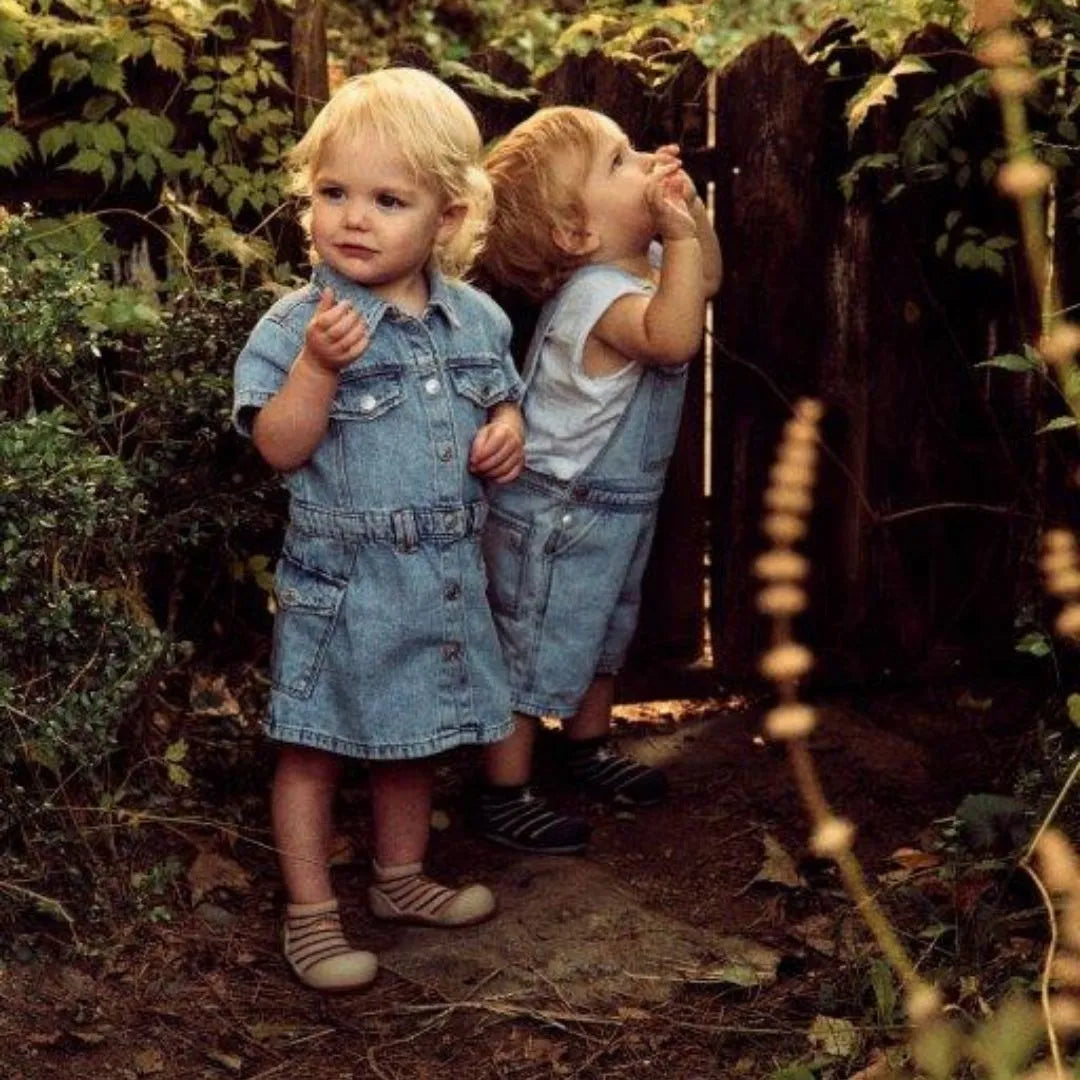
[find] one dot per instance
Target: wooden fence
(933, 484)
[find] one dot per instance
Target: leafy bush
(114, 433)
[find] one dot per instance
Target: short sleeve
(584, 299)
(515, 388)
(498, 334)
(261, 369)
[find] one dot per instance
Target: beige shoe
(403, 894)
(318, 953)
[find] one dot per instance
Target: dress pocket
(480, 379)
(666, 393)
(308, 606)
(504, 545)
(368, 395)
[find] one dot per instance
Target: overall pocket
(308, 606)
(665, 409)
(504, 545)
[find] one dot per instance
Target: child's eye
(331, 193)
(618, 159)
(386, 201)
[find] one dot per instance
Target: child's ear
(452, 216)
(575, 240)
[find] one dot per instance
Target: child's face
(372, 218)
(618, 218)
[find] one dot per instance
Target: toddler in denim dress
(578, 212)
(386, 394)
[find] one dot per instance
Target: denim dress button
(433, 386)
(453, 591)
(567, 519)
(451, 650)
(446, 452)
(367, 403)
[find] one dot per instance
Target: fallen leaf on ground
(149, 1062)
(211, 697)
(211, 871)
(833, 1036)
(878, 1068)
(231, 1062)
(777, 869)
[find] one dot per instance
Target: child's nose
(355, 214)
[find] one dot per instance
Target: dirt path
(684, 945)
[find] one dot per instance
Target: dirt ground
(695, 939)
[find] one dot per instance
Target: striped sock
(404, 894)
(317, 951)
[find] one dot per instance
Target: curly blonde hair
(434, 130)
(532, 203)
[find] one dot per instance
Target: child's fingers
(354, 341)
(339, 320)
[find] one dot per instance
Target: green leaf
(109, 137)
(146, 167)
(68, 68)
(14, 146)
(969, 256)
(176, 751)
(1015, 362)
(1034, 643)
(178, 775)
(108, 74)
(1072, 704)
(147, 131)
(245, 250)
(86, 161)
(167, 53)
(1059, 423)
(98, 107)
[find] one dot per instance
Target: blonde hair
(532, 202)
(434, 130)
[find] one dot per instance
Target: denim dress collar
(373, 307)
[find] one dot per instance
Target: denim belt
(403, 528)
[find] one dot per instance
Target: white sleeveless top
(569, 415)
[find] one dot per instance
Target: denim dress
(384, 645)
(566, 557)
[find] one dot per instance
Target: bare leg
(508, 763)
(507, 810)
(300, 806)
(401, 809)
(593, 718)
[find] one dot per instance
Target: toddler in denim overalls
(386, 394)
(577, 213)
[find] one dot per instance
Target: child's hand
(666, 195)
(670, 155)
(336, 335)
(498, 452)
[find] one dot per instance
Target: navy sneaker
(516, 818)
(606, 774)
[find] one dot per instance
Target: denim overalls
(566, 557)
(384, 645)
